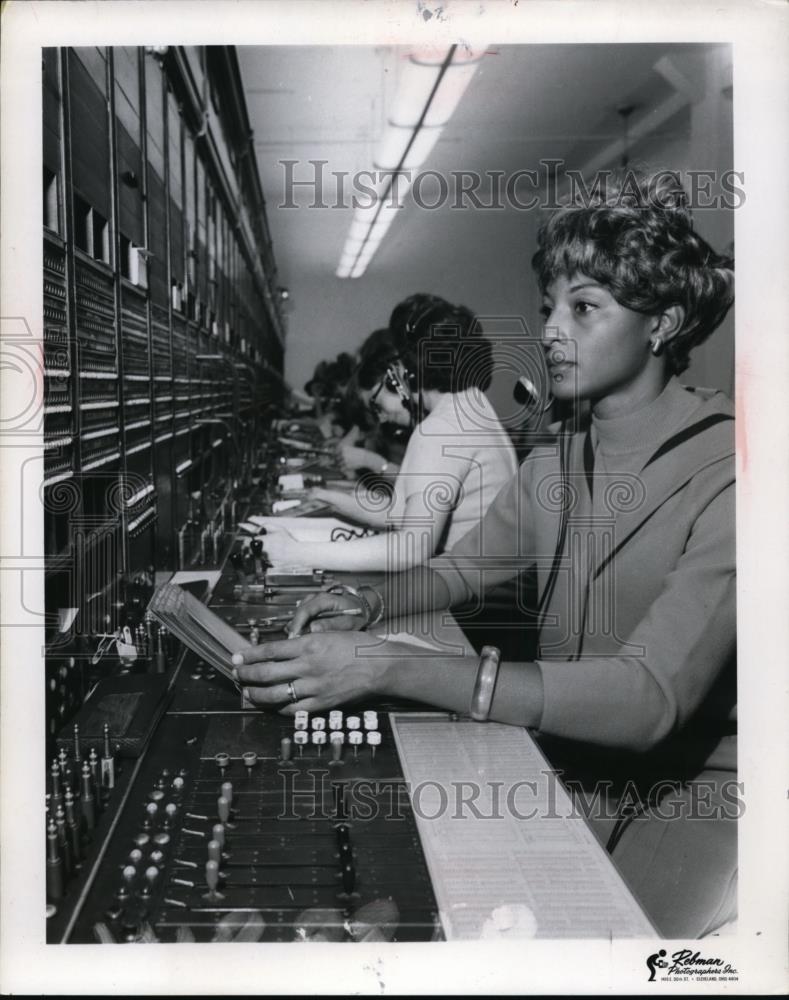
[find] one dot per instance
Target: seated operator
(458, 456)
(629, 519)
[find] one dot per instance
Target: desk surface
(508, 854)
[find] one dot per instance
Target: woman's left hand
(325, 670)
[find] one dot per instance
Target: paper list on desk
(498, 828)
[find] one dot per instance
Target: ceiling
(323, 103)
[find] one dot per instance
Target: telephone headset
(405, 385)
(394, 383)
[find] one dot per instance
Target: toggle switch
(129, 874)
(55, 873)
(223, 809)
(151, 875)
(73, 829)
(93, 763)
(151, 811)
(57, 785)
(337, 739)
(214, 851)
(226, 791)
(212, 881)
(285, 748)
(218, 834)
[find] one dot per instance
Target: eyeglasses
(376, 393)
(392, 383)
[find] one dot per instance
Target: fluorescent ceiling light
(429, 89)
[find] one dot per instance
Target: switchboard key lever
(55, 867)
(86, 799)
(107, 761)
(212, 881)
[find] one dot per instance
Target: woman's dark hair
(441, 344)
(375, 354)
(405, 312)
(634, 235)
(330, 378)
(374, 342)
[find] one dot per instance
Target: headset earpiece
(395, 383)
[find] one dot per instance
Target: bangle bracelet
(380, 613)
(364, 604)
(485, 683)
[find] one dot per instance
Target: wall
(482, 258)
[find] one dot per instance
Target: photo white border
(759, 33)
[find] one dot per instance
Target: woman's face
(596, 349)
(385, 404)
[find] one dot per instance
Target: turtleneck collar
(646, 427)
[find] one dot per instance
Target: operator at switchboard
(432, 381)
(629, 518)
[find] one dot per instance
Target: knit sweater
(632, 537)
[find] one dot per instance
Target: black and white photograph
(394, 488)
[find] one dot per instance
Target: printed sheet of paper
(508, 854)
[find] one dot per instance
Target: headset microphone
(526, 392)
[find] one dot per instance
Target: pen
(283, 619)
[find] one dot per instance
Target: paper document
(509, 853)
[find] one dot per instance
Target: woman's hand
(282, 548)
(325, 604)
(328, 497)
(324, 671)
(352, 458)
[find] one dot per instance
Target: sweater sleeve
(494, 550)
(430, 471)
(687, 635)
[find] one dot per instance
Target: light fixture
(429, 89)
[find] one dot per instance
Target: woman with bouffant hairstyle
(627, 513)
(428, 378)
(638, 240)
